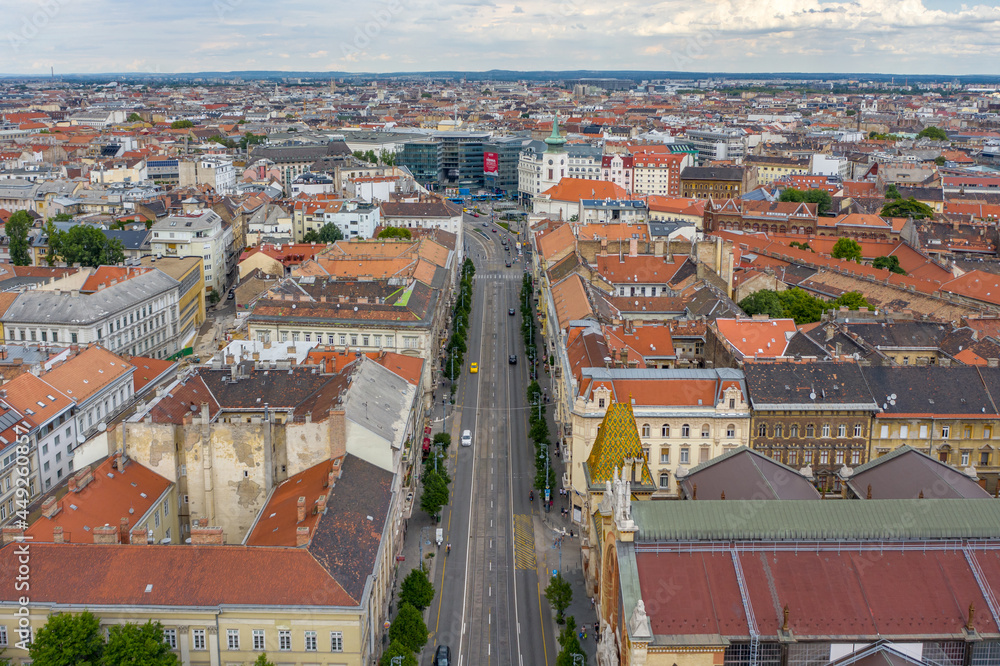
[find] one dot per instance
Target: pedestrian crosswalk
(500, 276)
(524, 543)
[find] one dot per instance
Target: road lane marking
(524, 543)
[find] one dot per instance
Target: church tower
(554, 160)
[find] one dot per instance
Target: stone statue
(638, 624)
(607, 649)
(607, 502)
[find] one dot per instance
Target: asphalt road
(489, 607)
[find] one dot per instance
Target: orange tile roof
(575, 189)
(148, 370)
(98, 575)
(570, 300)
(105, 276)
(85, 374)
(640, 269)
(360, 267)
(653, 392)
(34, 398)
(676, 205)
(111, 496)
(977, 285)
(612, 232)
(649, 340)
(753, 337)
(555, 241)
(278, 519)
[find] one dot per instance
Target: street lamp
(398, 661)
(577, 656)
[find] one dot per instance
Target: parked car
(466, 438)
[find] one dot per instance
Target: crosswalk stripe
(524, 543)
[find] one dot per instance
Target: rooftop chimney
(138, 536)
(105, 534)
(50, 507)
(57, 534)
(300, 510)
(301, 536)
(207, 536)
(321, 504)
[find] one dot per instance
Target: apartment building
(18, 461)
(53, 432)
(215, 171)
(717, 145)
(190, 294)
(197, 234)
(137, 315)
(659, 174)
(582, 161)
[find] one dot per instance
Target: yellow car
(474, 368)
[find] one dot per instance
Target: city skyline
(888, 36)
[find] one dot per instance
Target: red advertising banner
(491, 163)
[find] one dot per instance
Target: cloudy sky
(884, 36)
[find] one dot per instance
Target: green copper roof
(617, 440)
(554, 141)
(824, 520)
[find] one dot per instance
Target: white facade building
(197, 234)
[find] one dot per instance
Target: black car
(510, 311)
(512, 359)
(508, 263)
(442, 657)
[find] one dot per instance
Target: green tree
(933, 133)
(764, 301)
(387, 158)
(397, 649)
(907, 208)
(262, 660)
(133, 118)
(559, 593)
(250, 139)
(417, 589)
(396, 232)
(222, 141)
(821, 198)
(17, 231)
(138, 645)
(890, 263)
(852, 300)
(86, 245)
(801, 307)
(846, 248)
(443, 439)
(408, 628)
(435, 494)
(570, 644)
(181, 124)
(891, 192)
(328, 233)
(940, 160)
(68, 640)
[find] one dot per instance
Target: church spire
(554, 141)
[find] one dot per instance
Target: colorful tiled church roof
(617, 441)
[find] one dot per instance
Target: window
(336, 641)
(855, 457)
(904, 431)
(156, 517)
(730, 431)
(859, 430)
(732, 403)
(354, 340)
(166, 508)
(665, 480)
(987, 432)
(600, 403)
(664, 430)
(778, 430)
(645, 453)
(810, 430)
(685, 455)
(343, 339)
(762, 430)
(664, 456)
(793, 457)
(197, 639)
(965, 458)
(706, 432)
(968, 432)
(258, 639)
(984, 458)
(685, 430)
(824, 457)
(233, 639)
(793, 431)
(840, 457)
(310, 641)
(807, 457)
(170, 638)
(841, 430)
(284, 640)
(645, 430)
(945, 432)
(884, 432)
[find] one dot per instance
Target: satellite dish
(80, 439)
(102, 425)
(892, 397)
(812, 396)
